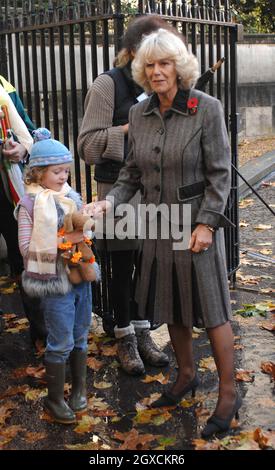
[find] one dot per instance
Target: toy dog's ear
(79, 220)
(68, 223)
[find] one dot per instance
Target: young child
(67, 308)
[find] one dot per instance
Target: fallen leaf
(6, 411)
(16, 329)
(102, 385)
(248, 279)
(9, 316)
(201, 444)
(34, 394)
(262, 227)
(46, 417)
(267, 325)
(86, 424)
(195, 335)
(11, 431)
(265, 439)
(238, 346)
(244, 375)
(246, 203)
(150, 415)
(266, 251)
(268, 368)
(156, 378)
(267, 290)
(37, 372)
(147, 401)
(7, 434)
(97, 403)
(242, 441)
(105, 413)
(264, 244)
(34, 436)
(134, 441)
(243, 223)
(109, 350)
(167, 441)
(93, 348)
(187, 403)
(94, 364)
(207, 363)
(8, 290)
(11, 391)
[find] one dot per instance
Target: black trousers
(122, 287)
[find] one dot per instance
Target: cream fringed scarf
(43, 244)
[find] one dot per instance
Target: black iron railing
(53, 50)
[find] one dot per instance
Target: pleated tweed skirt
(181, 287)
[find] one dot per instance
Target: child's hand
(74, 237)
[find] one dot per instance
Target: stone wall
(256, 85)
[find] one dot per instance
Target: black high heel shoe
(170, 399)
(215, 424)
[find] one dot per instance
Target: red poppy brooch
(192, 105)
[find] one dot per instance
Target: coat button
(161, 131)
(157, 149)
(156, 168)
(157, 187)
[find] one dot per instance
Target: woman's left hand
(201, 239)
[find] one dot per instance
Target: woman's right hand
(97, 209)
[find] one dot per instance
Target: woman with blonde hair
(179, 151)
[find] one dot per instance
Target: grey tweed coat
(167, 152)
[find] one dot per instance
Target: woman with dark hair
(103, 142)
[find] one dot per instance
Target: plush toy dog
(80, 261)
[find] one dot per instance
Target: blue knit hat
(46, 151)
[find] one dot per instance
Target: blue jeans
(67, 318)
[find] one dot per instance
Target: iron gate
(53, 50)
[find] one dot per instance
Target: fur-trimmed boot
(127, 350)
(78, 363)
(54, 402)
(148, 350)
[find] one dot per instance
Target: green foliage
(257, 16)
(129, 7)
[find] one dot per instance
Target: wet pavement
(114, 395)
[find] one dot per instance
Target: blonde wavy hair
(35, 174)
(164, 44)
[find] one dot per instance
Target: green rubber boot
(78, 363)
(54, 402)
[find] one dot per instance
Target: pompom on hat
(46, 151)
